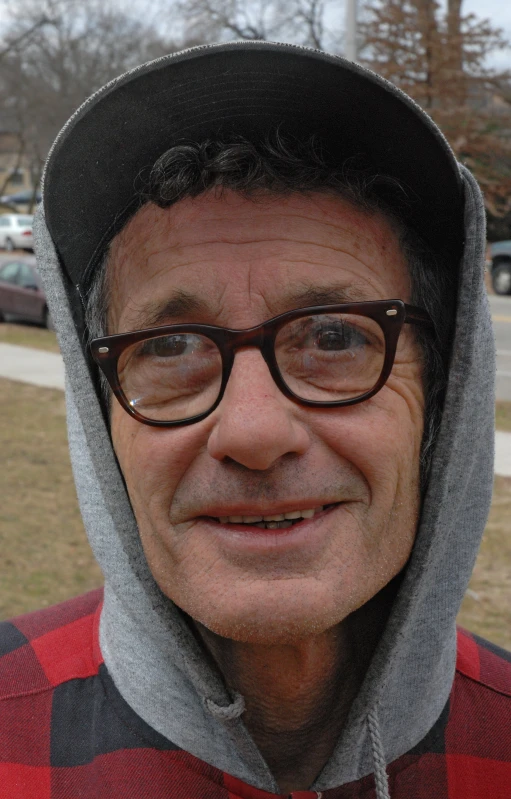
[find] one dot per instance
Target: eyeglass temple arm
(416, 316)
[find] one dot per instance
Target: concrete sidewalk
(47, 369)
(503, 453)
(31, 366)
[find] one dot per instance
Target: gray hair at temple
(279, 167)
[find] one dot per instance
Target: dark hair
(276, 167)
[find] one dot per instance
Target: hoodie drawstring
(380, 767)
(226, 712)
(234, 710)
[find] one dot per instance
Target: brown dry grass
(45, 554)
(503, 416)
(486, 609)
(29, 336)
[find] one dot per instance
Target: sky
(498, 11)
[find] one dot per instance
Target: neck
(298, 695)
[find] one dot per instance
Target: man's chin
(271, 616)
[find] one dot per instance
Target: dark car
(499, 265)
(21, 293)
(22, 197)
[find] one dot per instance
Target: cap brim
(249, 88)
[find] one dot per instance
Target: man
(266, 271)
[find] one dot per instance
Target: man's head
(254, 181)
(276, 229)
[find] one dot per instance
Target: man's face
(236, 263)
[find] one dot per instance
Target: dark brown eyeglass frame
(389, 314)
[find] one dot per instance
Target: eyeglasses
(323, 356)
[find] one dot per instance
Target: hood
(154, 659)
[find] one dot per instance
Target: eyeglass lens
(323, 358)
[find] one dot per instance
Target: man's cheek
(144, 463)
(368, 441)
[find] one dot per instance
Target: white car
(16, 232)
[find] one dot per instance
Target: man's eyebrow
(183, 304)
(180, 304)
(303, 296)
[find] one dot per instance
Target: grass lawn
(486, 609)
(29, 336)
(45, 554)
(503, 416)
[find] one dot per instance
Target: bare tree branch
(296, 20)
(22, 38)
(311, 13)
(62, 63)
(440, 58)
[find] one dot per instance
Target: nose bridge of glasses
(258, 338)
(255, 337)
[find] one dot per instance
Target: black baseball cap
(248, 88)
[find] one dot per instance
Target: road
(501, 314)
(17, 255)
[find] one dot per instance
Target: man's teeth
(274, 520)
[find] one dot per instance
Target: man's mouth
(274, 521)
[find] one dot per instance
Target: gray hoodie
(151, 654)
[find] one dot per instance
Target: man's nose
(255, 423)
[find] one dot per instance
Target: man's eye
(339, 338)
(167, 346)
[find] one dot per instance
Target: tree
(49, 68)
(297, 21)
(14, 44)
(440, 58)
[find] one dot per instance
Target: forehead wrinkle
(293, 236)
(327, 216)
(346, 216)
(359, 220)
(359, 223)
(278, 248)
(361, 290)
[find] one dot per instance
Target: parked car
(23, 197)
(499, 266)
(16, 232)
(21, 293)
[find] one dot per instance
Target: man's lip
(306, 536)
(217, 512)
(254, 526)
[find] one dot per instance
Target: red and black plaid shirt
(66, 732)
